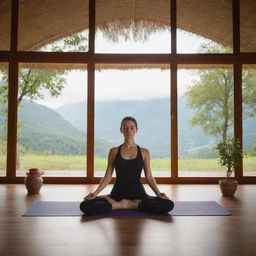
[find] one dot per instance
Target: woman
(128, 192)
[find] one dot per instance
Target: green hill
(43, 129)
(64, 131)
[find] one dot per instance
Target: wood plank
(238, 114)
(134, 236)
(96, 180)
(236, 26)
(12, 119)
(173, 19)
(12, 95)
(90, 120)
(174, 123)
(84, 57)
(14, 25)
(92, 26)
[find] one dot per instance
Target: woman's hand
(162, 195)
(90, 196)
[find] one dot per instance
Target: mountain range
(63, 131)
(153, 118)
(41, 129)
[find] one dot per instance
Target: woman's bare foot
(123, 204)
(130, 204)
(115, 205)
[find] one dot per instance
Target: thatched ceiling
(43, 21)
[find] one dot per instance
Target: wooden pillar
(173, 73)
(90, 94)
(238, 109)
(12, 95)
(238, 113)
(236, 26)
(174, 124)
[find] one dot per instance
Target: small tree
(211, 96)
(231, 154)
(34, 82)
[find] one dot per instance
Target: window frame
(14, 57)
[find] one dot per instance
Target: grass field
(60, 162)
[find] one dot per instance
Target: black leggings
(150, 204)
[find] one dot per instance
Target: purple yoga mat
(181, 208)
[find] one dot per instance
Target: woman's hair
(129, 118)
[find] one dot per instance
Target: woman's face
(128, 128)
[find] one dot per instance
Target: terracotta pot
(228, 187)
(33, 181)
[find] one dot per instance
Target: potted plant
(230, 155)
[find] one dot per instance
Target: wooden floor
(147, 236)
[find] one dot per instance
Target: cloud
(140, 84)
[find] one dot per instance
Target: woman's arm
(148, 174)
(107, 177)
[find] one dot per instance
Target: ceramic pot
(33, 181)
(228, 187)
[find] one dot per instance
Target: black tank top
(128, 174)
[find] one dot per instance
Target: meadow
(71, 162)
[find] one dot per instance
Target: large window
(70, 70)
(133, 26)
(205, 117)
(51, 119)
(3, 116)
(139, 91)
(249, 119)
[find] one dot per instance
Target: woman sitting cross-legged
(128, 160)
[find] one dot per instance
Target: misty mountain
(64, 131)
(153, 118)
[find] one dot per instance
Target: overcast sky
(128, 84)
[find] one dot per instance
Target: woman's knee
(156, 205)
(167, 205)
(95, 206)
(85, 205)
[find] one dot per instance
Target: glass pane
(247, 26)
(3, 116)
(5, 24)
(204, 22)
(133, 26)
(144, 93)
(249, 119)
(50, 136)
(205, 117)
(53, 25)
